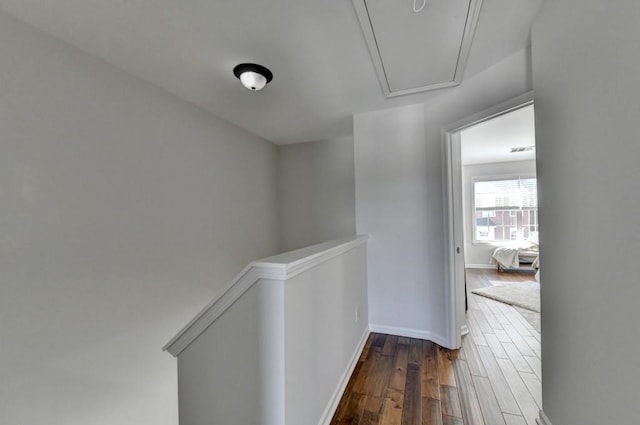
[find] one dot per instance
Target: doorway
(496, 195)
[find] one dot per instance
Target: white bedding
(509, 257)
(506, 258)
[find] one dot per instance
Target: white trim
(452, 170)
(502, 108)
(480, 266)
(543, 420)
(464, 329)
(454, 238)
(279, 267)
(411, 333)
(302, 265)
(330, 410)
(471, 22)
(240, 284)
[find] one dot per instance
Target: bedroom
(500, 192)
(500, 231)
(500, 208)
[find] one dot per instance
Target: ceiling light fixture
(253, 76)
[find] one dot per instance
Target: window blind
(508, 194)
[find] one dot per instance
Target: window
(505, 209)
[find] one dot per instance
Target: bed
(516, 258)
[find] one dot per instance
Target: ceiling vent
(418, 49)
(522, 149)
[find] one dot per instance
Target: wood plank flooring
(494, 379)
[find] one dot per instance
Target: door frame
(453, 212)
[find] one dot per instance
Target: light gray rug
(519, 294)
(530, 316)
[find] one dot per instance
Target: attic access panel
(418, 51)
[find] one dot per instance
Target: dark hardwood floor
(494, 379)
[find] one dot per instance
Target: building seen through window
(505, 210)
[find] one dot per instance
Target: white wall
(399, 196)
(479, 254)
(283, 350)
(122, 211)
(316, 192)
(233, 373)
(322, 332)
(586, 67)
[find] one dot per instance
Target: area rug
(519, 294)
(530, 316)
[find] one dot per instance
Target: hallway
(494, 379)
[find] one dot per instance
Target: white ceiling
(322, 70)
(492, 140)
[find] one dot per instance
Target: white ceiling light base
(253, 76)
(418, 51)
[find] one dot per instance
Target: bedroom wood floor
(494, 379)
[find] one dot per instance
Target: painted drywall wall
(479, 254)
(123, 210)
(390, 180)
(585, 75)
(316, 192)
(326, 317)
(251, 365)
(399, 197)
(234, 371)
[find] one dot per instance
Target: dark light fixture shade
(253, 76)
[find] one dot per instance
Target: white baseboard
(480, 266)
(410, 333)
(330, 410)
(543, 420)
(464, 329)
